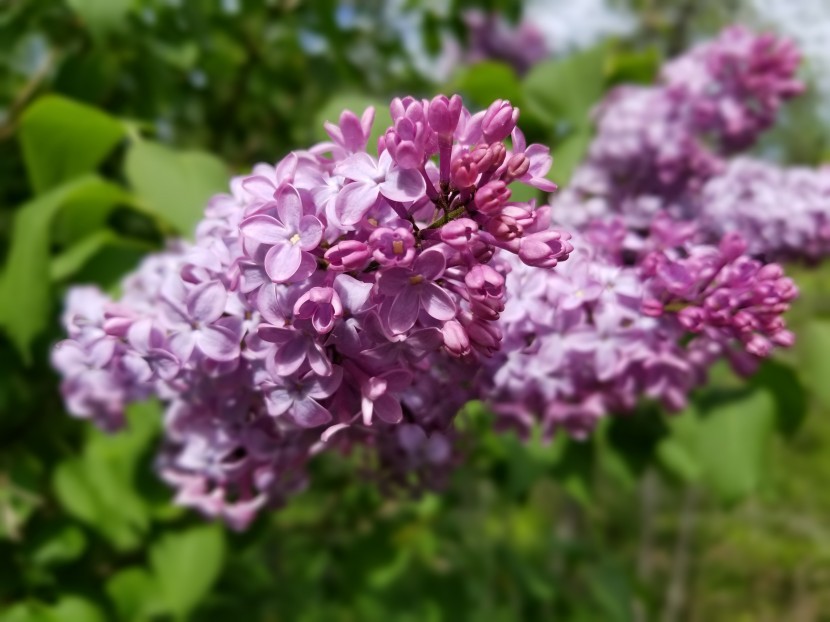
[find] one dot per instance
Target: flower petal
(388, 409)
(218, 343)
(431, 264)
(405, 185)
(206, 302)
(320, 387)
(437, 302)
(404, 310)
(309, 414)
(264, 229)
(282, 261)
(311, 232)
(353, 201)
(359, 167)
(289, 207)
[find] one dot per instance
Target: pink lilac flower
(320, 308)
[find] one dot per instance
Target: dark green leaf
(76, 257)
(782, 381)
(99, 488)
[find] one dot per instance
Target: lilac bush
(341, 301)
(332, 301)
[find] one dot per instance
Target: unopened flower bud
(443, 114)
(463, 172)
(517, 166)
(459, 233)
(491, 197)
(499, 121)
(348, 255)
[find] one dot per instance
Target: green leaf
(788, 392)
(357, 103)
(136, 594)
(568, 154)
(186, 564)
(174, 185)
(67, 609)
(814, 358)
(77, 256)
(99, 488)
(567, 89)
(25, 291)
(63, 139)
(58, 546)
(101, 16)
(733, 438)
(485, 82)
(639, 67)
(75, 609)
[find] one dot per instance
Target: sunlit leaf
(63, 139)
(175, 185)
(186, 564)
(25, 291)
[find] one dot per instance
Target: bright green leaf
(732, 439)
(485, 82)
(101, 16)
(567, 89)
(174, 185)
(567, 155)
(63, 139)
(75, 609)
(814, 358)
(135, 593)
(186, 564)
(25, 291)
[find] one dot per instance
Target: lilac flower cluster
(491, 37)
(605, 330)
(666, 277)
(669, 147)
(781, 211)
(335, 300)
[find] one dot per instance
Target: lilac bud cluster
(605, 330)
(668, 148)
(334, 300)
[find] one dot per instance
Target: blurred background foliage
(119, 118)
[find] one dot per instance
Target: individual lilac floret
(336, 300)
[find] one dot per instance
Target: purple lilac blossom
(606, 330)
(670, 148)
(335, 301)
